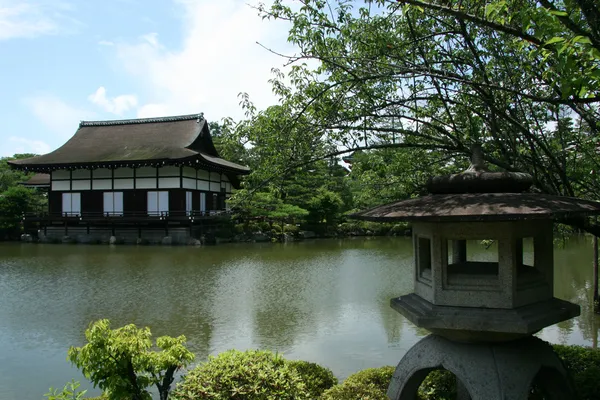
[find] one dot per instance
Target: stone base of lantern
(492, 371)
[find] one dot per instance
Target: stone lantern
(483, 313)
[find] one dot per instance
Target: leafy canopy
(120, 361)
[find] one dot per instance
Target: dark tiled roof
(169, 140)
(38, 180)
(481, 207)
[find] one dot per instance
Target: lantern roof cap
(481, 207)
(480, 195)
(478, 179)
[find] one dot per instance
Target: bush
(317, 378)
(583, 363)
(370, 384)
(291, 228)
(439, 385)
(253, 375)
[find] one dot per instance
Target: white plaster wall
(124, 183)
(101, 184)
(102, 173)
(189, 183)
(145, 172)
(82, 174)
(145, 183)
(61, 174)
(169, 170)
(81, 185)
(168, 183)
(203, 185)
(124, 173)
(61, 185)
(189, 172)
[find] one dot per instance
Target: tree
(10, 177)
(227, 143)
(121, 362)
(14, 202)
(440, 76)
(325, 206)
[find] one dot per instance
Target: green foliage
(406, 87)
(69, 392)
(14, 202)
(370, 384)
(583, 364)
(253, 375)
(325, 206)
(291, 228)
(121, 362)
(9, 177)
(438, 385)
(317, 378)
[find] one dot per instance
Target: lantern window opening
(423, 251)
(528, 255)
(529, 272)
(471, 259)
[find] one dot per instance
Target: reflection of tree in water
(292, 297)
(573, 275)
(392, 322)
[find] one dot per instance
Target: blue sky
(66, 61)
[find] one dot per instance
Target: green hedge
(262, 375)
(370, 384)
(583, 364)
(254, 375)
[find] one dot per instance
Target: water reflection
(323, 301)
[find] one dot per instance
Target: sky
(66, 61)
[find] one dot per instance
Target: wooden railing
(127, 215)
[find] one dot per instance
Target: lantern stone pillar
(482, 313)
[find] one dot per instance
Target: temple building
(135, 179)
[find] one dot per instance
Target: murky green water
(325, 301)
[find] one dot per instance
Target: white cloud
(59, 117)
(23, 145)
(116, 105)
(218, 58)
(26, 19)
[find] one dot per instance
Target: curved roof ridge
(199, 116)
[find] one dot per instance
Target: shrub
(121, 362)
(583, 363)
(317, 378)
(264, 226)
(370, 384)
(69, 392)
(439, 385)
(252, 375)
(291, 228)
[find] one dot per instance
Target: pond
(325, 301)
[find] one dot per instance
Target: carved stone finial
(477, 161)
